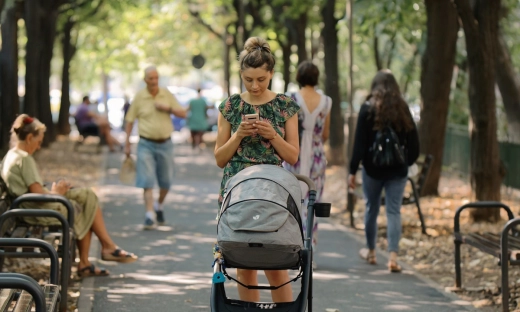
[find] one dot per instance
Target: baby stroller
(259, 228)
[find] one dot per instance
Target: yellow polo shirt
(152, 123)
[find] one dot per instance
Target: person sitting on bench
(19, 171)
(91, 123)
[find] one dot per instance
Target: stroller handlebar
(307, 180)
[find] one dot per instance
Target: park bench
(60, 237)
(504, 245)
(416, 183)
(84, 135)
(45, 297)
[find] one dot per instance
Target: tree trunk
(436, 76)
(377, 57)
(509, 84)
(48, 22)
(228, 41)
(68, 50)
(301, 40)
(330, 46)
(481, 29)
(10, 104)
(286, 49)
(32, 57)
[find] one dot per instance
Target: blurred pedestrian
(314, 119)
(91, 122)
(384, 117)
(197, 119)
(152, 107)
(125, 108)
(271, 139)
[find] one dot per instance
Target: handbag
(127, 172)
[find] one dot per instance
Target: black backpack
(386, 150)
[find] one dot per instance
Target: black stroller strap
(263, 287)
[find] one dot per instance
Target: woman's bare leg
(83, 249)
(248, 277)
(98, 227)
(276, 278)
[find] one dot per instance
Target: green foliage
(399, 25)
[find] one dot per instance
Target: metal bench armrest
(21, 281)
(481, 204)
(33, 242)
(46, 198)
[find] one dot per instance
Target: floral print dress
(312, 161)
(255, 150)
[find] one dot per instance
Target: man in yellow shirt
(152, 108)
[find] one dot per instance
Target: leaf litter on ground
(432, 255)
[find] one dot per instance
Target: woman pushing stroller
(257, 127)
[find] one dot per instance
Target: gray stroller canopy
(264, 188)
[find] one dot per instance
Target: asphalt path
(174, 270)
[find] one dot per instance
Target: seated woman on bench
(19, 171)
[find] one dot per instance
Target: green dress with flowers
(255, 150)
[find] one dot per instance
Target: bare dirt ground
(433, 255)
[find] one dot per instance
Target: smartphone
(251, 117)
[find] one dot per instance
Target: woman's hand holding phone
(246, 127)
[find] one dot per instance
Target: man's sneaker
(148, 224)
(160, 217)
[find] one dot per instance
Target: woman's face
(33, 142)
(256, 80)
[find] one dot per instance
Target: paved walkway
(174, 270)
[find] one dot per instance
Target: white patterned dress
(312, 161)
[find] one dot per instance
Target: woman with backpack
(314, 121)
(386, 143)
(257, 127)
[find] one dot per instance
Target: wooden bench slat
(52, 293)
(6, 296)
(477, 244)
(20, 232)
(24, 303)
(34, 232)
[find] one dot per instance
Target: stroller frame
(220, 303)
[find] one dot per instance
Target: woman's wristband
(275, 135)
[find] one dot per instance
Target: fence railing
(457, 155)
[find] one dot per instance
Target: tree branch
(206, 25)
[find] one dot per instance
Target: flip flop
(118, 256)
(365, 255)
(91, 271)
(394, 267)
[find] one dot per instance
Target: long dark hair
(388, 106)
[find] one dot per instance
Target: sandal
(365, 254)
(91, 271)
(118, 256)
(394, 267)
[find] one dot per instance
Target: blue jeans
(394, 189)
(154, 163)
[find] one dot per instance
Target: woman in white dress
(314, 117)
